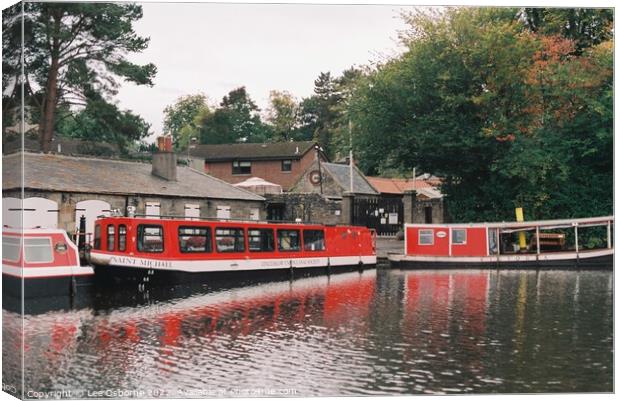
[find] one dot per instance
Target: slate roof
(89, 175)
(68, 146)
(342, 175)
(252, 151)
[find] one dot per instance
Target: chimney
(165, 160)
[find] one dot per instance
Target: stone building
(59, 189)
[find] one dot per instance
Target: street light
(190, 145)
(318, 158)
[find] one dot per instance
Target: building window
(10, 248)
(38, 250)
(97, 240)
(425, 237)
(242, 167)
(152, 210)
(122, 238)
(229, 240)
(150, 238)
(110, 237)
(288, 240)
(195, 239)
(222, 212)
(287, 165)
(459, 236)
(192, 211)
(261, 240)
(314, 240)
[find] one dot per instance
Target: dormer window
(241, 167)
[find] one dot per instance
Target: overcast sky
(214, 48)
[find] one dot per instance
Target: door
(91, 209)
(40, 213)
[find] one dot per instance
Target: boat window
(38, 250)
(122, 238)
(425, 237)
(229, 240)
(150, 238)
(97, 240)
(459, 236)
(288, 240)
(110, 237)
(195, 239)
(10, 248)
(314, 240)
(261, 240)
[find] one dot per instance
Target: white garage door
(91, 209)
(38, 213)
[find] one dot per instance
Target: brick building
(281, 163)
(59, 189)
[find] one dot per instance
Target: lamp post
(190, 145)
(318, 158)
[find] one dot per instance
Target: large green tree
(74, 52)
(282, 115)
(236, 120)
(508, 115)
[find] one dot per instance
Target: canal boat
(481, 245)
(41, 262)
(180, 250)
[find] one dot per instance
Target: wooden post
(576, 237)
(609, 234)
(537, 240)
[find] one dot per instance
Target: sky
(214, 48)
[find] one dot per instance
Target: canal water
(372, 333)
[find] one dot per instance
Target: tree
(282, 115)
(236, 120)
(101, 121)
(507, 116)
(182, 117)
(74, 52)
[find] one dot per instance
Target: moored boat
(490, 245)
(178, 250)
(41, 262)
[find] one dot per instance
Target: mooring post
(576, 237)
(608, 234)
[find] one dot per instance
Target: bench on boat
(548, 241)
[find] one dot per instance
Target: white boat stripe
(196, 266)
(33, 272)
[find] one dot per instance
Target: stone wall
(309, 207)
(415, 209)
(305, 184)
(169, 206)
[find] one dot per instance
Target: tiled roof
(399, 185)
(342, 175)
(90, 175)
(252, 151)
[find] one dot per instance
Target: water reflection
(378, 332)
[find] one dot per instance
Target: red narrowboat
(45, 261)
(545, 244)
(178, 250)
